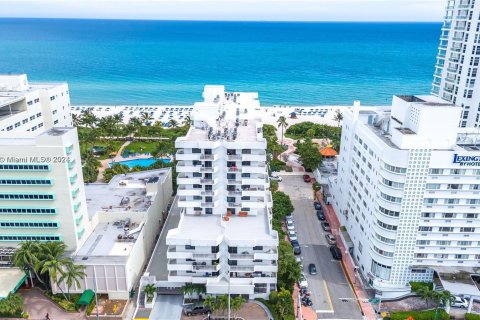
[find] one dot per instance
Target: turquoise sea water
(139, 162)
(169, 62)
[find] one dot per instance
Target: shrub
(416, 285)
(420, 315)
(277, 165)
(316, 186)
(273, 185)
(472, 316)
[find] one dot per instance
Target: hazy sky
(282, 10)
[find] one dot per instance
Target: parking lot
(329, 285)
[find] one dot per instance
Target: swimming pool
(140, 162)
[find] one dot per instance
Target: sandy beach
(163, 114)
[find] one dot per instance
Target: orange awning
(328, 151)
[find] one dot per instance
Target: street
(329, 285)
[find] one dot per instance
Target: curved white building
(408, 191)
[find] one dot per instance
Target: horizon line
(233, 20)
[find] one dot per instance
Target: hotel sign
(467, 161)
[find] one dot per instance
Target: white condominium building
(41, 188)
(224, 238)
(408, 192)
(30, 107)
(456, 69)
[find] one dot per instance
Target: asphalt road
(330, 283)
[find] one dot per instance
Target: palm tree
(146, 117)
(52, 261)
(88, 118)
(173, 123)
(282, 123)
(73, 273)
(209, 302)
(149, 291)
(187, 289)
(443, 299)
(338, 117)
(236, 305)
(425, 293)
(186, 121)
(118, 119)
(222, 302)
(77, 121)
(27, 258)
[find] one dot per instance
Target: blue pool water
(169, 62)
(140, 162)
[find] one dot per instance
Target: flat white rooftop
(212, 228)
(125, 192)
(104, 241)
(11, 279)
(25, 138)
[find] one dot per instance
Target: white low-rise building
(28, 106)
(408, 191)
(127, 214)
(224, 238)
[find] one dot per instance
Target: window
(464, 243)
(430, 200)
(441, 256)
(258, 248)
(25, 181)
(421, 255)
(189, 247)
(443, 243)
(453, 186)
(29, 167)
(419, 271)
(423, 242)
(470, 215)
(445, 229)
(461, 256)
(29, 238)
(389, 212)
(32, 117)
(19, 196)
(451, 201)
(394, 169)
(37, 100)
(467, 229)
(473, 201)
(28, 210)
(390, 198)
(383, 239)
(424, 228)
(433, 186)
(6, 224)
(380, 270)
(393, 184)
(383, 252)
(428, 215)
(52, 98)
(55, 122)
(39, 114)
(386, 226)
(436, 171)
(449, 215)
(457, 171)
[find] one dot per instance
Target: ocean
(169, 62)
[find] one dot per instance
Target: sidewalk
(347, 261)
(37, 305)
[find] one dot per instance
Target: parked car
(302, 282)
(296, 247)
(300, 262)
(306, 178)
(279, 179)
(289, 218)
(194, 309)
(320, 215)
(326, 226)
(459, 303)
(312, 269)
(317, 205)
(292, 235)
(331, 239)
(336, 253)
(290, 226)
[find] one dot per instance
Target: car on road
(194, 309)
(296, 247)
(312, 269)
(326, 226)
(292, 235)
(307, 178)
(331, 239)
(459, 303)
(317, 205)
(336, 253)
(320, 215)
(279, 179)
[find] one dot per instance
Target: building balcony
(450, 80)
(464, 6)
(457, 38)
(461, 17)
(183, 202)
(80, 232)
(253, 192)
(456, 48)
(234, 157)
(75, 193)
(76, 206)
(254, 157)
(78, 219)
(209, 192)
(68, 150)
(266, 267)
(234, 204)
(234, 193)
(184, 191)
(260, 168)
(208, 169)
(234, 169)
(206, 256)
(260, 203)
(238, 256)
(273, 255)
(231, 181)
(172, 254)
(210, 157)
(459, 28)
(71, 164)
(241, 268)
(209, 204)
(73, 178)
(254, 181)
